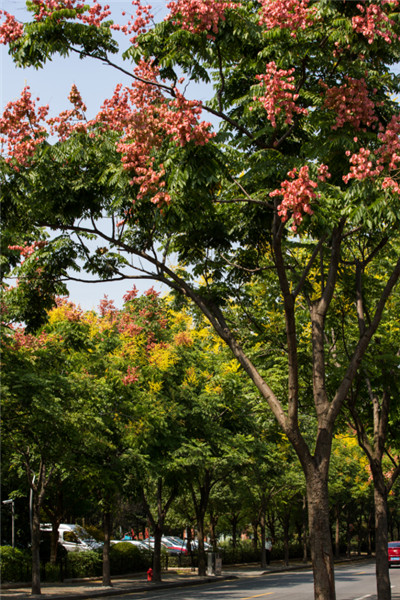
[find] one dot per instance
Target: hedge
(128, 558)
(15, 564)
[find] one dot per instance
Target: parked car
(394, 553)
(173, 545)
(73, 538)
(172, 548)
(207, 546)
(138, 543)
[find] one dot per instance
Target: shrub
(127, 558)
(183, 560)
(84, 564)
(52, 572)
(15, 564)
(243, 552)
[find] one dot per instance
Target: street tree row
(181, 436)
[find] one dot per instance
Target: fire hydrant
(150, 574)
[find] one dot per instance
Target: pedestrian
(268, 548)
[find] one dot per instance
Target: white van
(74, 538)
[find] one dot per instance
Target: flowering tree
(38, 416)
(296, 187)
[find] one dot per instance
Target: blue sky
(52, 85)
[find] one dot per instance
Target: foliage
(84, 564)
(127, 558)
(15, 564)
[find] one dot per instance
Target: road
(353, 582)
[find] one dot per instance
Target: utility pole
(11, 501)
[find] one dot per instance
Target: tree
(350, 487)
(294, 194)
(376, 426)
(37, 418)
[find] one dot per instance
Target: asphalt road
(353, 582)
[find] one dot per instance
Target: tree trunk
(157, 554)
(370, 532)
(200, 505)
(286, 522)
(349, 533)
(381, 542)
(263, 551)
(201, 551)
(106, 548)
(337, 530)
(234, 522)
(35, 544)
(54, 543)
(320, 536)
(157, 524)
(213, 525)
(255, 534)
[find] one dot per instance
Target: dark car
(394, 553)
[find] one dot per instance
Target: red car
(394, 553)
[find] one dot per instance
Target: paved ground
(79, 589)
(86, 589)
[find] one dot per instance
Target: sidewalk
(93, 588)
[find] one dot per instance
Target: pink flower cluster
(362, 166)
(374, 22)
(28, 341)
(26, 250)
(145, 118)
(131, 295)
(22, 128)
(10, 29)
(279, 94)
(199, 15)
(107, 307)
(297, 193)
(365, 165)
(95, 15)
(287, 14)
(71, 311)
(141, 114)
(389, 152)
(351, 103)
(69, 120)
(136, 25)
(131, 376)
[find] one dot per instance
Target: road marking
(363, 597)
(257, 596)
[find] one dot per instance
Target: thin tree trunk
(106, 548)
(36, 588)
(201, 551)
(157, 554)
(263, 551)
(348, 535)
(381, 542)
(337, 530)
(255, 534)
(54, 543)
(157, 524)
(286, 521)
(200, 506)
